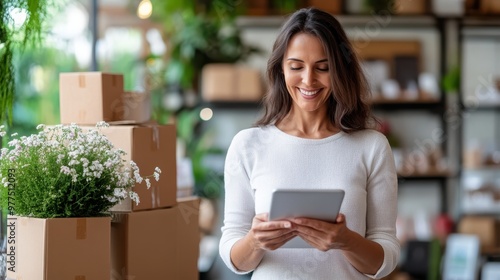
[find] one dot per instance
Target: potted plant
(60, 184)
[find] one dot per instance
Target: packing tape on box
(158, 197)
(156, 136)
(155, 196)
(81, 81)
(81, 229)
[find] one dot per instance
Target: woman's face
(307, 76)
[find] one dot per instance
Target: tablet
(321, 204)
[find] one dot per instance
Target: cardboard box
(156, 244)
(487, 229)
(188, 237)
(229, 82)
(149, 146)
(136, 107)
(143, 245)
(410, 7)
(257, 7)
(491, 7)
(62, 248)
(90, 97)
(331, 6)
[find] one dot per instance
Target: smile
(308, 92)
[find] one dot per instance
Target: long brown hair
(347, 106)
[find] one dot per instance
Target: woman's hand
(264, 235)
(270, 235)
(324, 235)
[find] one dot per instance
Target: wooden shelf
(490, 251)
(483, 168)
(430, 175)
(403, 21)
(494, 211)
(402, 103)
(403, 100)
(250, 105)
(481, 21)
(494, 106)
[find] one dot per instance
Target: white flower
(119, 193)
(102, 124)
(14, 134)
(137, 176)
(40, 127)
(111, 199)
(5, 182)
(67, 154)
(3, 152)
(134, 197)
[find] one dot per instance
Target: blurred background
(433, 68)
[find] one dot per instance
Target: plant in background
(384, 127)
(15, 36)
(37, 96)
(451, 81)
(379, 6)
(208, 183)
(286, 6)
(198, 33)
(63, 171)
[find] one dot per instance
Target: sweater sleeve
(382, 193)
(239, 207)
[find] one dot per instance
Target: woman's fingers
(280, 241)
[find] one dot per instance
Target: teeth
(309, 93)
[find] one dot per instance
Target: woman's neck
(307, 125)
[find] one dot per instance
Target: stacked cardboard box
(156, 239)
(60, 248)
(156, 244)
(222, 82)
(146, 237)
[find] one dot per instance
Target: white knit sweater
(265, 158)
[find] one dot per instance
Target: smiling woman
(315, 134)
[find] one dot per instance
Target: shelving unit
(479, 182)
(448, 118)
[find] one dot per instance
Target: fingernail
(287, 225)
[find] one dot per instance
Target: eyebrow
(299, 60)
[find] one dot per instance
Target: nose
(309, 77)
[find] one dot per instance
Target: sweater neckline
(309, 141)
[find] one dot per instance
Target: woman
(314, 134)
